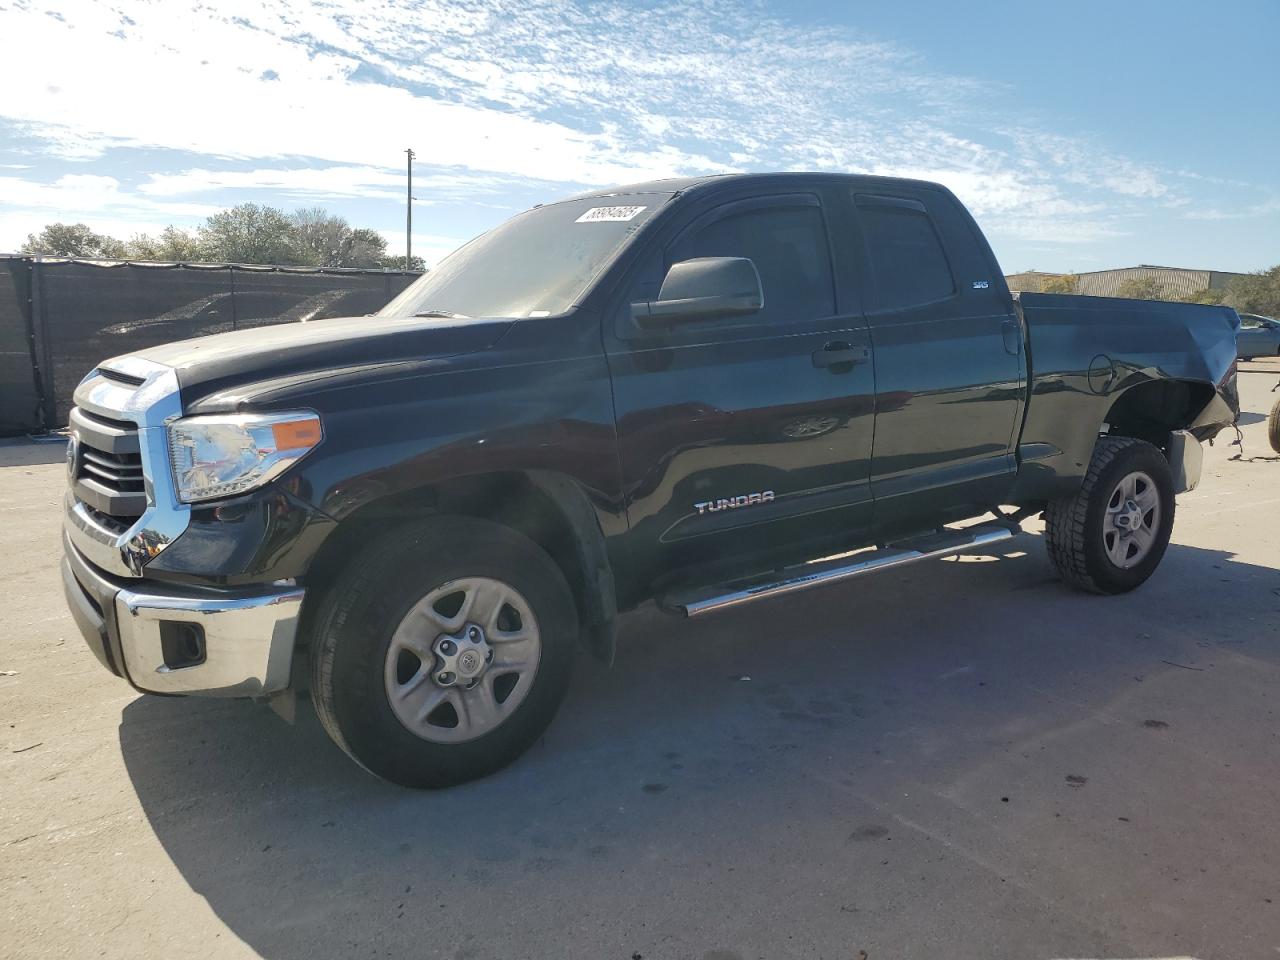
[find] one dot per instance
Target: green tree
(1141, 288)
(1256, 292)
(320, 236)
(249, 233)
(72, 240)
(365, 248)
(396, 262)
(1063, 283)
(172, 246)
(1205, 296)
(329, 241)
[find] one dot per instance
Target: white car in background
(1258, 337)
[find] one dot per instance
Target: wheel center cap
(470, 663)
(462, 656)
(1130, 518)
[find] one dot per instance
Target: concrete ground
(964, 760)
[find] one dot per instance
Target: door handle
(838, 353)
(1012, 334)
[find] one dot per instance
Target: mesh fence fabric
(85, 312)
(19, 397)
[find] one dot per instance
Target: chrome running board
(816, 573)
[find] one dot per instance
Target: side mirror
(704, 288)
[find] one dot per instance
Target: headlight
(218, 456)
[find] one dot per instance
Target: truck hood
(226, 362)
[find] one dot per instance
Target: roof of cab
(685, 184)
(669, 185)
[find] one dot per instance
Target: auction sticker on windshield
(596, 214)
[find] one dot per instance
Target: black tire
(362, 608)
(1273, 427)
(1074, 525)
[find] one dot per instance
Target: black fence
(58, 318)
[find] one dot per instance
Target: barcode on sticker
(596, 214)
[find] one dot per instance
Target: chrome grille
(121, 508)
(106, 466)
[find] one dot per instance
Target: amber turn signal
(296, 434)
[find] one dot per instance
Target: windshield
(536, 264)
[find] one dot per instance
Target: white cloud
(1074, 232)
(83, 191)
(1083, 163)
(532, 88)
(89, 193)
(27, 205)
(1262, 208)
(323, 182)
(212, 100)
(314, 102)
(329, 183)
(1135, 182)
(990, 192)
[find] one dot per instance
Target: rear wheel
(1273, 427)
(443, 651)
(1111, 536)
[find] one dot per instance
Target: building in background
(1029, 281)
(1174, 282)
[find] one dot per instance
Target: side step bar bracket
(817, 573)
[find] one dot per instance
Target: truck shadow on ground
(697, 739)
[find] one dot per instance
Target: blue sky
(1082, 135)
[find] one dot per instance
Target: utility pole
(408, 215)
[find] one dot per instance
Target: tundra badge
(732, 503)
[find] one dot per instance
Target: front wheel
(1111, 536)
(443, 651)
(1273, 427)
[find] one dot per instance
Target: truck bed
(1085, 353)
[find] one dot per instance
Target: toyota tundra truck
(704, 392)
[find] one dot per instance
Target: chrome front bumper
(163, 637)
(247, 635)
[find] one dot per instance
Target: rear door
(738, 440)
(949, 363)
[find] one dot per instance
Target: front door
(746, 439)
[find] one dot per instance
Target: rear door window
(909, 266)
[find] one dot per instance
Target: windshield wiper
(445, 314)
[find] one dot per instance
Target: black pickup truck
(686, 390)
